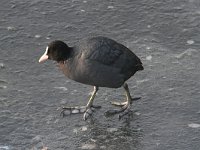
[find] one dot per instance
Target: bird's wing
(105, 51)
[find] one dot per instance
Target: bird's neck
(68, 53)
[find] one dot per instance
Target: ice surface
(10, 28)
(163, 34)
(188, 52)
(88, 146)
(112, 129)
(149, 57)
(37, 36)
(194, 125)
(110, 7)
(2, 65)
(190, 42)
(61, 88)
(4, 147)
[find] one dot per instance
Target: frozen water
(194, 125)
(141, 81)
(3, 87)
(4, 147)
(188, 52)
(164, 34)
(88, 146)
(112, 129)
(110, 7)
(61, 88)
(149, 57)
(190, 42)
(37, 36)
(2, 65)
(75, 131)
(137, 113)
(84, 128)
(10, 28)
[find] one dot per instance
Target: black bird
(97, 61)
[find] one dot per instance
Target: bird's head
(57, 51)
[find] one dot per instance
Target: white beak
(44, 57)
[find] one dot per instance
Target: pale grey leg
(89, 106)
(121, 104)
(87, 110)
(125, 106)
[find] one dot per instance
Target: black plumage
(96, 61)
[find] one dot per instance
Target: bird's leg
(125, 109)
(121, 104)
(87, 110)
(89, 106)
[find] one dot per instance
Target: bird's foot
(88, 113)
(125, 110)
(89, 110)
(121, 104)
(79, 110)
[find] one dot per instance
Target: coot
(97, 61)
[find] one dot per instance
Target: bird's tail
(139, 67)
